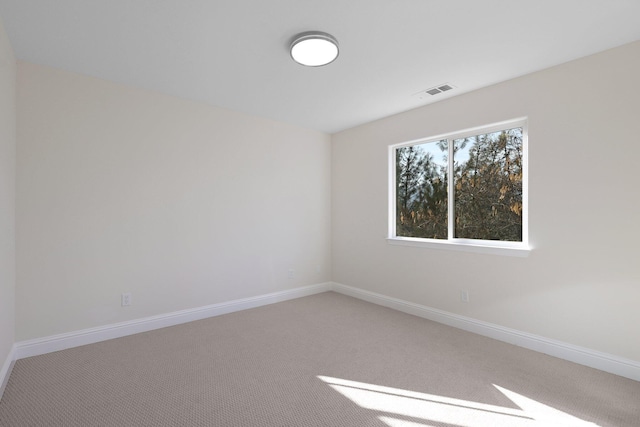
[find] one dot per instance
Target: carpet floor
(322, 360)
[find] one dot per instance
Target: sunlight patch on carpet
(421, 407)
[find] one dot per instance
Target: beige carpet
(324, 360)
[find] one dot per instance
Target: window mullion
(450, 190)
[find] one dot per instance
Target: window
(465, 190)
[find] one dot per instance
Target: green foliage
(421, 204)
(487, 189)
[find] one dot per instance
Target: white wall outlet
(126, 299)
(291, 274)
(464, 295)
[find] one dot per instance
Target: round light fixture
(314, 49)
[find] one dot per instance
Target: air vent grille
(439, 89)
(436, 90)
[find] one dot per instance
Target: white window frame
(497, 247)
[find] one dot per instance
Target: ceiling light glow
(314, 49)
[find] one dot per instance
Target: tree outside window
(465, 187)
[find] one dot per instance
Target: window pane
(488, 186)
(421, 190)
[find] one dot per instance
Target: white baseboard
(5, 371)
(52, 343)
(583, 356)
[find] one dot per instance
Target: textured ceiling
(234, 54)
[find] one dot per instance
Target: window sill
(521, 252)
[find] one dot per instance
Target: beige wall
(581, 282)
(180, 203)
(7, 194)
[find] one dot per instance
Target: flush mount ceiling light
(314, 48)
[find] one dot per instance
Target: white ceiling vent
(436, 90)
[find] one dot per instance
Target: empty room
(411, 213)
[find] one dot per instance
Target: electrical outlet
(464, 295)
(126, 299)
(291, 274)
